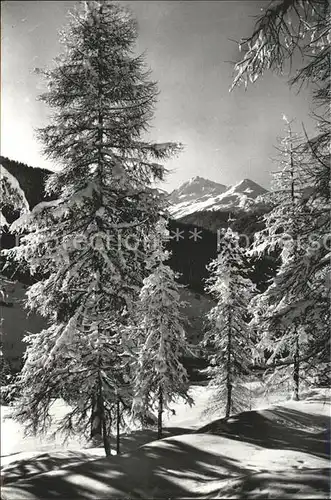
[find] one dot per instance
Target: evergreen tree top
(103, 100)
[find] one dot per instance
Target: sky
(190, 48)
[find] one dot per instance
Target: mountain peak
(198, 194)
(249, 187)
(196, 188)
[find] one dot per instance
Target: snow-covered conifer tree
(160, 376)
(282, 231)
(274, 41)
(84, 244)
(289, 184)
(292, 313)
(228, 336)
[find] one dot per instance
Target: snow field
(276, 452)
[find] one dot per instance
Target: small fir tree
(228, 336)
(160, 377)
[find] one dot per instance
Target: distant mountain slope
(243, 222)
(192, 247)
(31, 179)
(12, 197)
(16, 321)
(201, 194)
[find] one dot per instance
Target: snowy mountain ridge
(200, 194)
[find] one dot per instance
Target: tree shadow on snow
(39, 464)
(46, 462)
(277, 428)
(171, 470)
(314, 483)
(131, 441)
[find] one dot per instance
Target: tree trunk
(296, 354)
(99, 429)
(296, 369)
(159, 415)
(229, 398)
(106, 443)
(118, 426)
(105, 436)
(96, 428)
(228, 372)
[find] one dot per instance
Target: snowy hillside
(30, 179)
(200, 194)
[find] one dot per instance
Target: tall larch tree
(102, 101)
(228, 337)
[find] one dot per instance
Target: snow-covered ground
(280, 451)
(14, 442)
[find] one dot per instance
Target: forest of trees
(115, 335)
